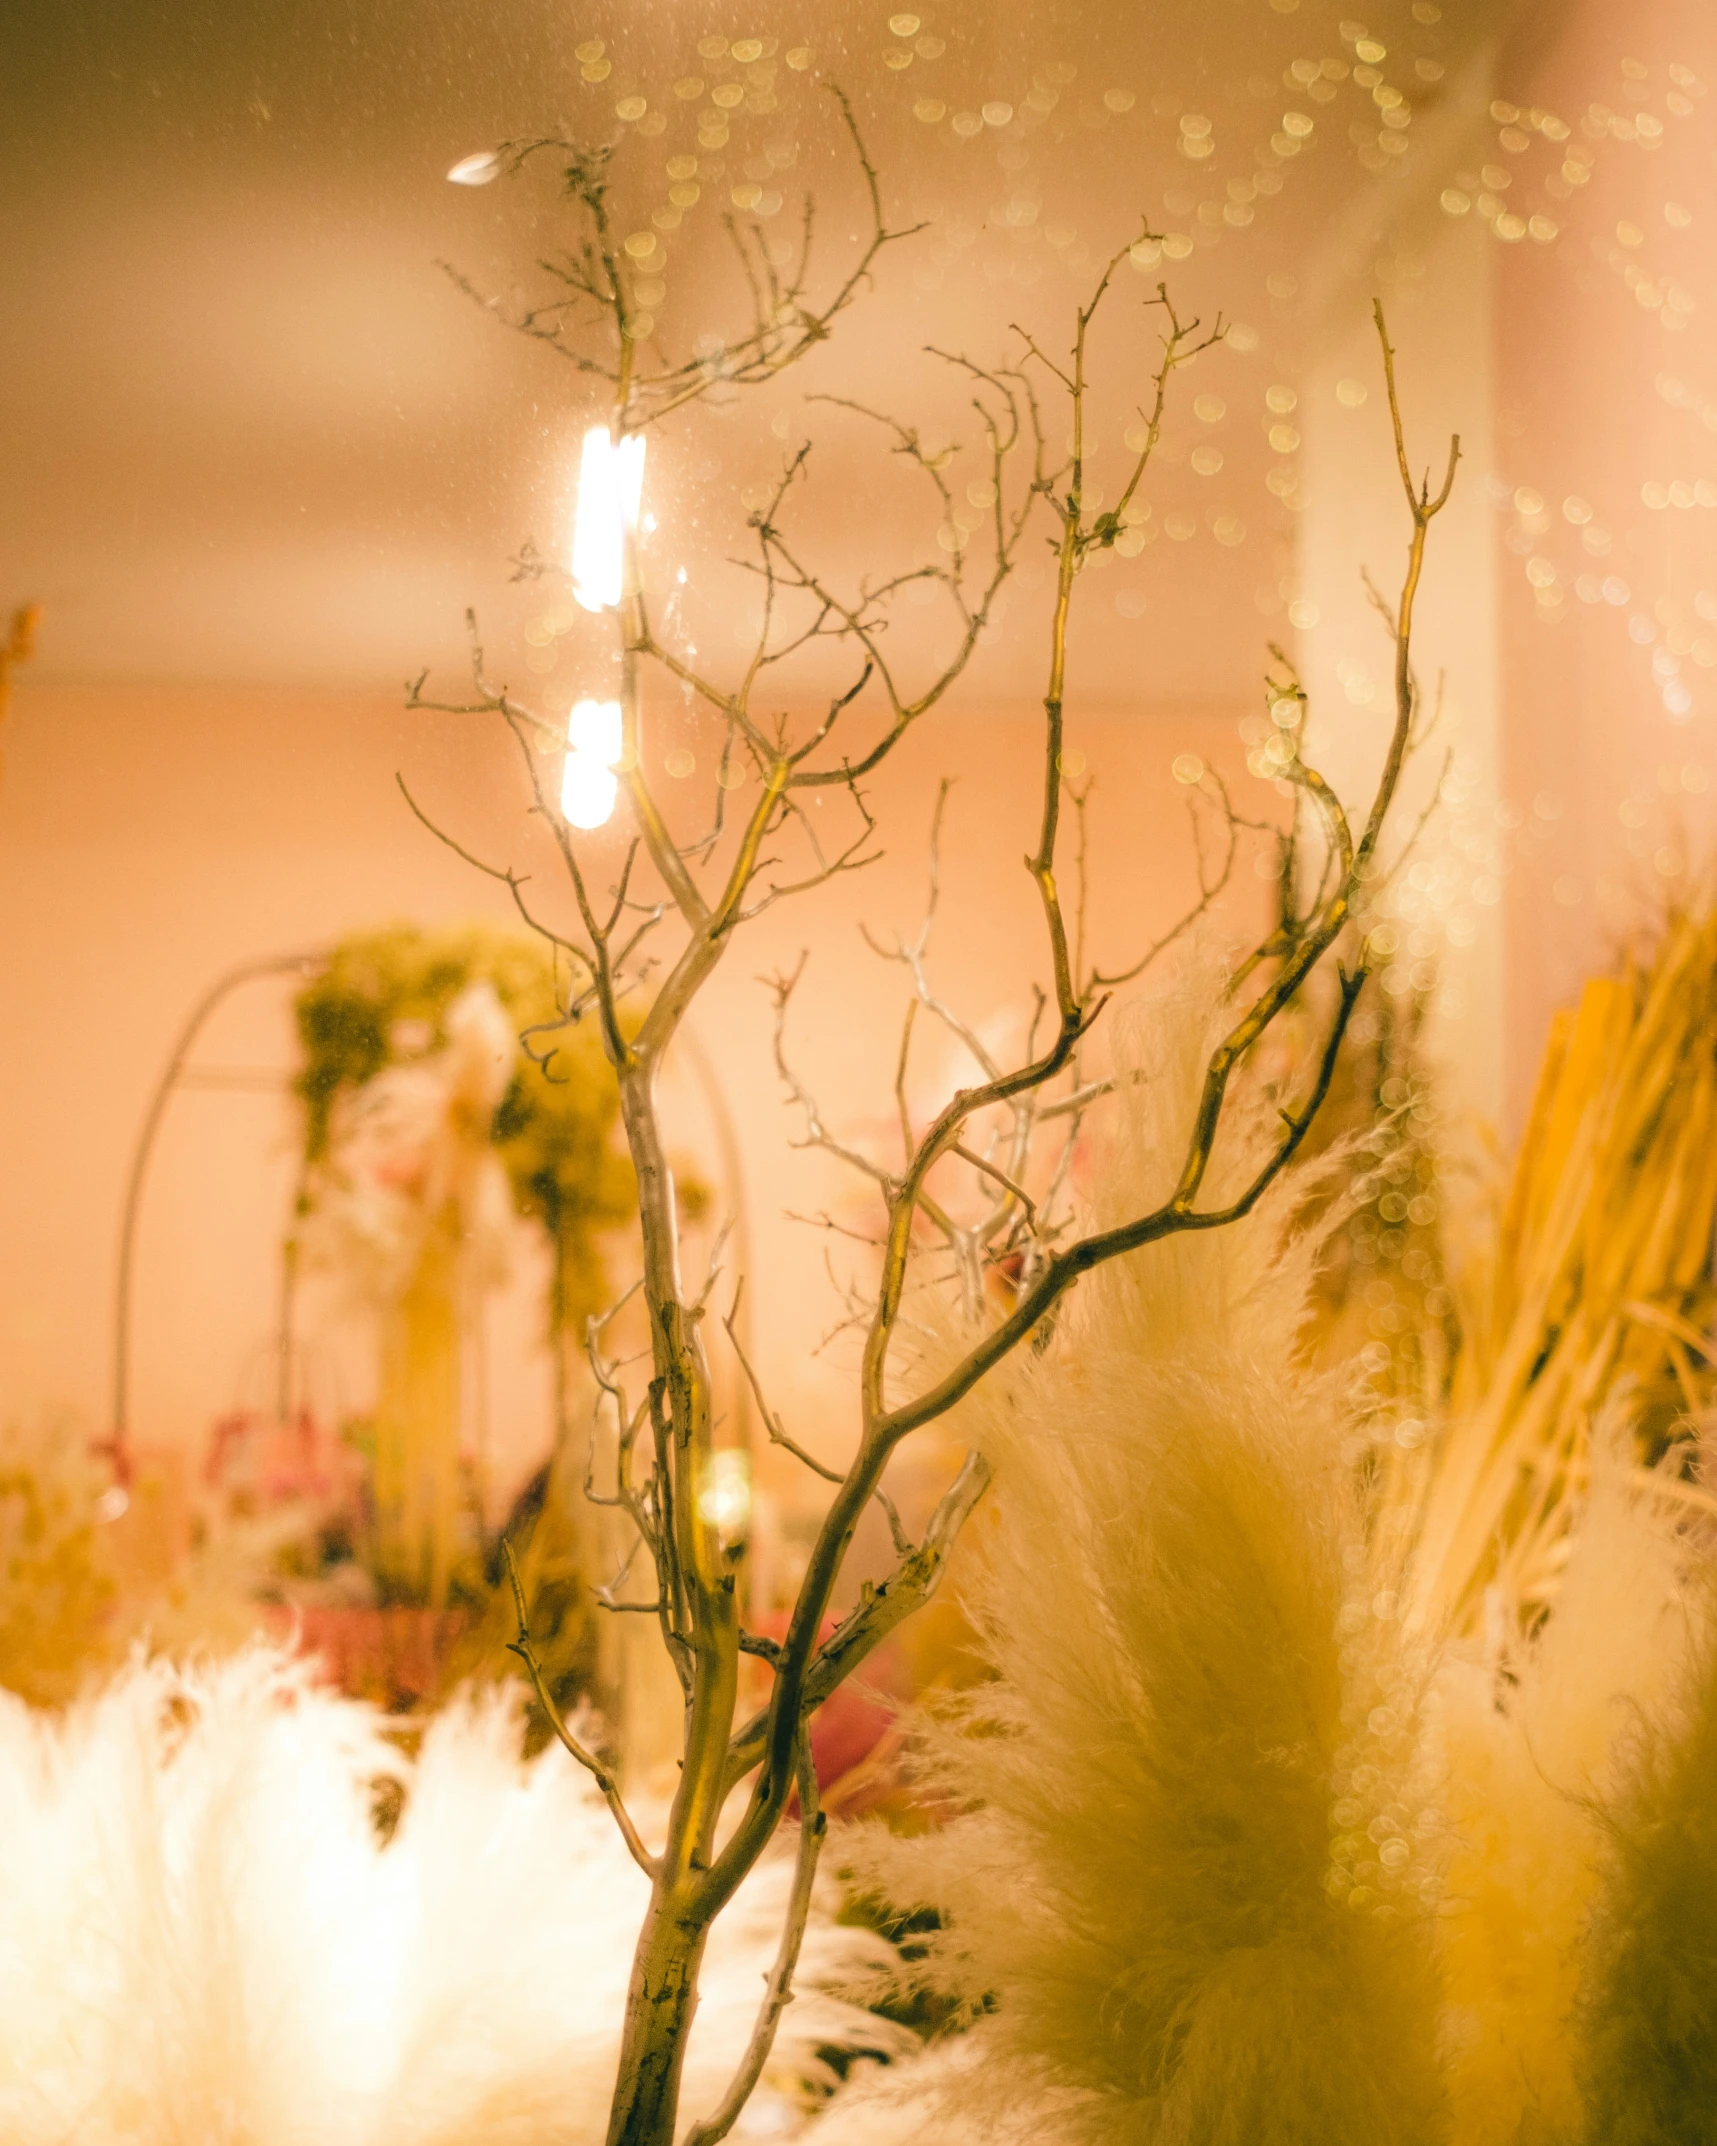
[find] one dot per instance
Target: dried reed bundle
(1601, 1279)
(204, 1938)
(17, 645)
(1212, 1751)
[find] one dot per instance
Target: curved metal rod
(115, 1445)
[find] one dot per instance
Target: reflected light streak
(610, 482)
(588, 784)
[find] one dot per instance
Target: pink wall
(151, 836)
(1610, 730)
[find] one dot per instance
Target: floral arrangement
(414, 1079)
(432, 1121)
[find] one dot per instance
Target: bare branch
(883, 1610)
(781, 989)
(1013, 1264)
(779, 1992)
(514, 882)
(1210, 891)
(884, 1424)
(989, 1169)
(592, 1765)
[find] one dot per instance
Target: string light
(588, 783)
(610, 483)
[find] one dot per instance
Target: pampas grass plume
(204, 1940)
(1530, 1765)
(1648, 2016)
(1188, 1870)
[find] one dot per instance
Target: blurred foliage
(57, 1591)
(549, 1529)
(383, 1000)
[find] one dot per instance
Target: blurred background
(259, 452)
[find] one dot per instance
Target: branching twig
(706, 890)
(885, 1424)
(779, 1993)
(592, 1765)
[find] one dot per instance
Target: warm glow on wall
(610, 481)
(588, 784)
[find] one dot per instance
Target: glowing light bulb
(610, 482)
(588, 783)
(593, 727)
(588, 791)
(724, 1496)
(476, 170)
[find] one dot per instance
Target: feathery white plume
(204, 1940)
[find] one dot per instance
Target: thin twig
(605, 1782)
(779, 1992)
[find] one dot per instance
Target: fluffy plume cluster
(1648, 2020)
(1527, 1784)
(1239, 1856)
(205, 1938)
(1240, 1861)
(1579, 1950)
(1191, 1870)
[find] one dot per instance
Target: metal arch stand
(116, 1446)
